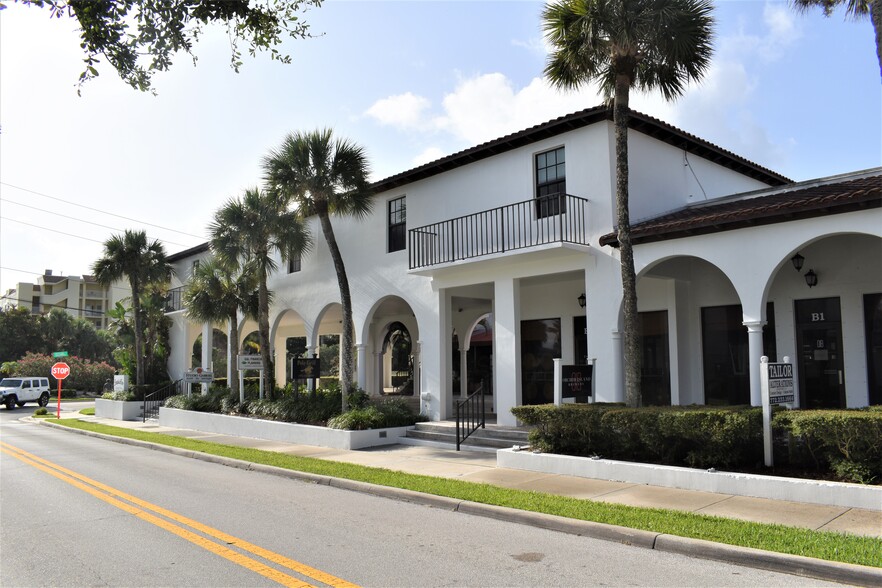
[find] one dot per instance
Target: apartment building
(80, 296)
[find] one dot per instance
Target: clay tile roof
(862, 190)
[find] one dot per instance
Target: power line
(79, 220)
(42, 304)
(100, 210)
(53, 230)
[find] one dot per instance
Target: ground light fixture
(811, 278)
(581, 300)
(797, 261)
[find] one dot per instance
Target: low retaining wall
(277, 431)
(118, 409)
(793, 489)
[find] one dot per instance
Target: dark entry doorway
(580, 340)
(819, 345)
(656, 381)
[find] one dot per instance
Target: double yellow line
(140, 507)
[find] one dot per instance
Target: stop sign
(60, 370)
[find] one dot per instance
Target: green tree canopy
(139, 38)
(325, 176)
(623, 44)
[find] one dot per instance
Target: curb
(798, 565)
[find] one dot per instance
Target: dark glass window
(540, 345)
(397, 224)
(873, 327)
(551, 182)
(655, 385)
(293, 264)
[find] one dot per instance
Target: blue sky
(411, 81)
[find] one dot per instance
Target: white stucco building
(497, 247)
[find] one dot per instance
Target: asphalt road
(136, 517)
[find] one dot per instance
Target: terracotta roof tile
(803, 200)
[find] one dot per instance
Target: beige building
(80, 296)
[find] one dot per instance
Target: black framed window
(293, 264)
(397, 224)
(551, 182)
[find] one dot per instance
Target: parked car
(16, 391)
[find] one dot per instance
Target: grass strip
(769, 537)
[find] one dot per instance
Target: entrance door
(819, 345)
(656, 380)
(580, 338)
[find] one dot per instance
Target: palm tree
(249, 231)
(856, 9)
(132, 257)
(325, 177)
(645, 44)
(217, 292)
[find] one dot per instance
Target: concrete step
(492, 436)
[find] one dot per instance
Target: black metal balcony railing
(173, 299)
(558, 218)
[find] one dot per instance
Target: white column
(310, 352)
(207, 346)
(231, 358)
(415, 353)
(506, 349)
(755, 354)
(464, 372)
(379, 374)
(361, 363)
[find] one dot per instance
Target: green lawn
(818, 544)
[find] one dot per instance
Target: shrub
(678, 435)
(848, 442)
(41, 411)
(391, 412)
(121, 396)
(85, 374)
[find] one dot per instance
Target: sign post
(573, 381)
(776, 382)
(60, 371)
(248, 362)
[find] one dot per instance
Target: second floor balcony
(557, 218)
(173, 300)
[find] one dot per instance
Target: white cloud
(427, 155)
(404, 111)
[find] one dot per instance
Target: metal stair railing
(470, 415)
(152, 401)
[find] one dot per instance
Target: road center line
(92, 487)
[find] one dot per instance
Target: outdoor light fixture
(797, 261)
(811, 278)
(581, 300)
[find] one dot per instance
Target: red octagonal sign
(60, 370)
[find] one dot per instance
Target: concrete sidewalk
(480, 467)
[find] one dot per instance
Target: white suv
(17, 391)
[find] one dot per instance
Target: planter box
(277, 431)
(792, 489)
(118, 410)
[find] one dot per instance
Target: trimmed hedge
(696, 436)
(389, 412)
(846, 444)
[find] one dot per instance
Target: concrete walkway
(480, 467)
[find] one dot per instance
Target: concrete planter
(118, 409)
(792, 489)
(276, 431)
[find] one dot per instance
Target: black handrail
(174, 299)
(556, 218)
(471, 413)
(152, 401)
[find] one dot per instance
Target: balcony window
(397, 224)
(551, 182)
(294, 264)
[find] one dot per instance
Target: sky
(410, 81)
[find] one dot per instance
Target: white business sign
(776, 384)
(250, 362)
(198, 376)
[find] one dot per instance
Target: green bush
(85, 374)
(41, 411)
(120, 396)
(391, 412)
(847, 442)
(676, 435)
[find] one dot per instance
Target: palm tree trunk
(269, 376)
(876, 19)
(632, 354)
(233, 360)
(139, 333)
(346, 344)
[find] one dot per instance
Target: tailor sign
(780, 383)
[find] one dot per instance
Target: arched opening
(475, 352)
(218, 362)
(397, 364)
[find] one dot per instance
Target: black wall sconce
(797, 261)
(582, 300)
(811, 278)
